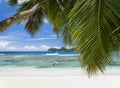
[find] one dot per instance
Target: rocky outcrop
(63, 49)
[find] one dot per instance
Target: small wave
(57, 54)
(52, 54)
(19, 56)
(68, 55)
(2, 54)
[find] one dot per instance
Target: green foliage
(57, 12)
(90, 24)
(12, 2)
(55, 15)
(25, 6)
(34, 22)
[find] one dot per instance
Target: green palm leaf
(25, 6)
(90, 23)
(55, 14)
(35, 21)
(12, 2)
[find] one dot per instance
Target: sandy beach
(58, 79)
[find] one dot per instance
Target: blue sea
(45, 60)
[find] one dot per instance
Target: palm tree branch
(17, 17)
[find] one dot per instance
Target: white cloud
(44, 47)
(22, 1)
(40, 39)
(6, 37)
(37, 48)
(56, 47)
(30, 47)
(45, 21)
(7, 45)
(11, 48)
(4, 44)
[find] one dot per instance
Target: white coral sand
(58, 79)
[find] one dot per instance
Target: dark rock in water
(55, 63)
(42, 66)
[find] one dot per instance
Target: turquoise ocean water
(46, 60)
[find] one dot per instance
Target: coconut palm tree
(35, 10)
(92, 27)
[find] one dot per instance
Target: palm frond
(65, 32)
(57, 13)
(54, 14)
(12, 2)
(67, 36)
(17, 17)
(25, 6)
(34, 22)
(91, 22)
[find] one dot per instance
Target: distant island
(62, 49)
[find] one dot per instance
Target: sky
(16, 38)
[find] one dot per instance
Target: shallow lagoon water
(39, 60)
(46, 60)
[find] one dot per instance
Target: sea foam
(2, 54)
(19, 56)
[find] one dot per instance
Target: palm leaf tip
(33, 26)
(93, 63)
